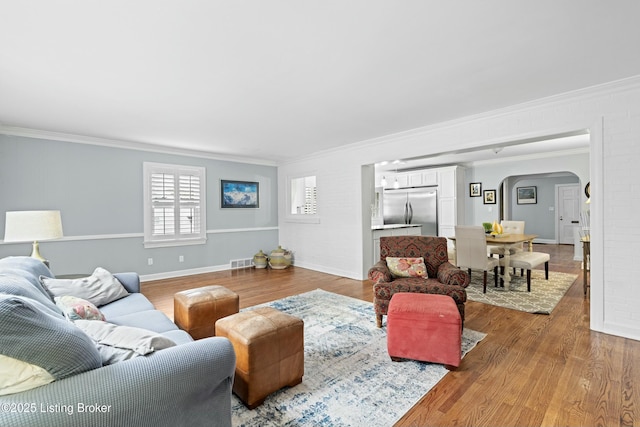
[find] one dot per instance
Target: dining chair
(471, 252)
(509, 227)
(526, 260)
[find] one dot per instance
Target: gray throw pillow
(28, 332)
(100, 288)
(119, 342)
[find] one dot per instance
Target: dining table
(506, 242)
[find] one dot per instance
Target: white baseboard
(333, 271)
(546, 241)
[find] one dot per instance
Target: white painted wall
(610, 112)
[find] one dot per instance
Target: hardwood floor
(530, 370)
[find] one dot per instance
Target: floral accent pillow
(75, 308)
(407, 267)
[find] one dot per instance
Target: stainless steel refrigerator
(416, 205)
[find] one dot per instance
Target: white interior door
(568, 197)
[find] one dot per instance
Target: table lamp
(33, 226)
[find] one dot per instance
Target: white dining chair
(471, 252)
(509, 227)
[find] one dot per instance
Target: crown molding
(528, 157)
(129, 145)
(590, 92)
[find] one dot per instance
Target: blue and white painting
(239, 194)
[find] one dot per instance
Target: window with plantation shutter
(303, 199)
(303, 196)
(174, 205)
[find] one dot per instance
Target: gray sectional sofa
(188, 383)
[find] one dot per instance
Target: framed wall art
(527, 195)
(239, 194)
(489, 197)
(475, 189)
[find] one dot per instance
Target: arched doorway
(549, 203)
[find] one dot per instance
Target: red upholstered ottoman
(424, 327)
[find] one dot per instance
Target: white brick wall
(611, 112)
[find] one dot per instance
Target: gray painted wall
(491, 175)
(99, 192)
(539, 219)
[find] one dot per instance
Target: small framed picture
(239, 194)
(527, 195)
(489, 197)
(475, 189)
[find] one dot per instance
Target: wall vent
(241, 263)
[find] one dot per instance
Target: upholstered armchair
(442, 277)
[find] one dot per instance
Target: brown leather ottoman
(197, 310)
(269, 348)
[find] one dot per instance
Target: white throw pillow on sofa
(17, 376)
(100, 288)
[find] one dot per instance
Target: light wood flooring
(530, 370)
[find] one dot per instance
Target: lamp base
(35, 253)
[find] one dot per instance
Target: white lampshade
(27, 226)
(33, 226)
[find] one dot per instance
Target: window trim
(150, 168)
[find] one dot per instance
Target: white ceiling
(276, 80)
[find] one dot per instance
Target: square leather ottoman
(197, 310)
(424, 327)
(269, 347)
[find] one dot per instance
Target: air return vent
(241, 263)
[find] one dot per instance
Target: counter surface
(394, 226)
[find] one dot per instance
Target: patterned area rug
(349, 379)
(544, 295)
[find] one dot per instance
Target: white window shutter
(189, 190)
(174, 205)
(163, 204)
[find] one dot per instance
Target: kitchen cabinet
(420, 178)
(450, 200)
(402, 178)
(429, 177)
